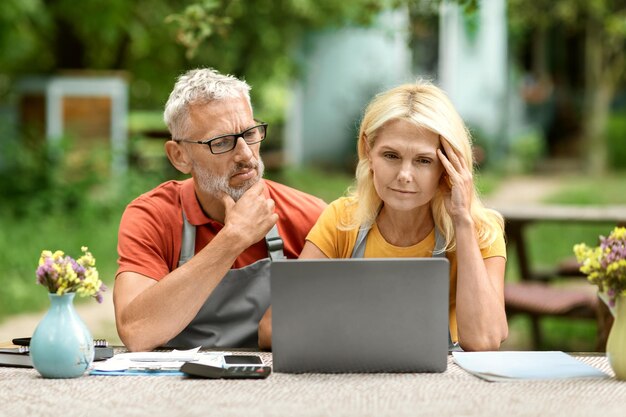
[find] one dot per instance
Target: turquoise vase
(62, 346)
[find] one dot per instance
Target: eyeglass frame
(236, 135)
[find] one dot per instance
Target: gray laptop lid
(360, 315)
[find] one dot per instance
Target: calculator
(196, 369)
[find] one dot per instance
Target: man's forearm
(162, 311)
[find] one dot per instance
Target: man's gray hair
(199, 86)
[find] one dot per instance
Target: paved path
(100, 317)
(524, 189)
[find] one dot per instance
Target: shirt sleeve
(328, 237)
(145, 241)
(497, 248)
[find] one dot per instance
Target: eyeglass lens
(226, 143)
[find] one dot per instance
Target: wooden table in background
(518, 217)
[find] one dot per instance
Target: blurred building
(473, 69)
(343, 69)
(92, 111)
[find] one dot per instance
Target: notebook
(360, 315)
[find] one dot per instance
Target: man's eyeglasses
(226, 143)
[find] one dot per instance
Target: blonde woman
(414, 186)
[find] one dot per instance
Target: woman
(414, 183)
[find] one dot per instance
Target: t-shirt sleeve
(326, 235)
(145, 241)
(497, 248)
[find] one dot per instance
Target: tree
(602, 23)
(259, 40)
(47, 36)
(256, 39)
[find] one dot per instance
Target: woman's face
(405, 165)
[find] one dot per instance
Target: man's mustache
(244, 167)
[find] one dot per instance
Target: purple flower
(41, 275)
(63, 274)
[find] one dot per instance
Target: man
(194, 255)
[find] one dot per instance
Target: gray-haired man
(194, 255)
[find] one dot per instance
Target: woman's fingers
(453, 155)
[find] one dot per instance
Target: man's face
(232, 172)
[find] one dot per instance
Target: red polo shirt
(150, 234)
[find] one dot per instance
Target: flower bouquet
(62, 346)
(62, 274)
(605, 266)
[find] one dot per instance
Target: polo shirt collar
(191, 205)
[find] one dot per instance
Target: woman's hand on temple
(457, 182)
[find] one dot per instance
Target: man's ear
(178, 157)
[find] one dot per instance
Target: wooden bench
(536, 294)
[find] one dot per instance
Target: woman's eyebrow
(429, 153)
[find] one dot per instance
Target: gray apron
(230, 316)
(438, 252)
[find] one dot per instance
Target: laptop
(360, 315)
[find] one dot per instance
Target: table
(518, 217)
(452, 393)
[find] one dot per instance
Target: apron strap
(188, 247)
(274, 242)
(440, 244)
(359, 245)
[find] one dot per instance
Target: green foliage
(199, 21)
(487, 181)
(47, 37)
(251, 39)
(601, 24)
(558, 334)
(257, 41)
(526, 151)
(45, 177)
(522, 157)
(616, 140)
(324, 184)
(46, 204)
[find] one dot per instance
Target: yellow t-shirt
(336, 243)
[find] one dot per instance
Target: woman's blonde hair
(426, 106)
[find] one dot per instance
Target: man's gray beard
(215, 186)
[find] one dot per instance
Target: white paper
(154, 361)
(511, 366)
(171, 356)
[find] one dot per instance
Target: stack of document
(155, 363)
(511, 366)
